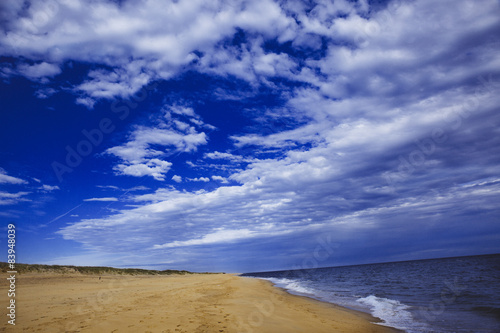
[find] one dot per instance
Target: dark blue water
(439, 295)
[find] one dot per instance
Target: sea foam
(392, 313)
(292, 285)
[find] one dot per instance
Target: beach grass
(96, 270)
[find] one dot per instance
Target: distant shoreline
(68, 269)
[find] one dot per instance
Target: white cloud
(133, 37)
(138, 47)
(224, 156)
(200, 179)
(48, 188)
(177, 178)
(44, 93)
(102, 199)
(220, 179)
(7, 198)
(154, 167)
(107, 84)
(137, 188)
(132, 189)
(159, 195)
(166, 208)
(217, 217)
(138, 156)
(38, 71)
(219, 236)
(111, 187)
(182, 110)
(6, 179)
(86, 101)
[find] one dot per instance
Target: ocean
(459, 294)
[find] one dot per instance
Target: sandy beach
(177, 303)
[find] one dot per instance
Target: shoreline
(187, 303)
(369, 315)
(361, 314)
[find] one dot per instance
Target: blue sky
(249, 135)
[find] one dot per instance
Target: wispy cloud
(108, 187)
(132, 189)
(7, 198)
(49, 188)
(219, 236)
(6, 179)
(102, 199)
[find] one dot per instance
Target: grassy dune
(66, 269)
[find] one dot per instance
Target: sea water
(438, 295)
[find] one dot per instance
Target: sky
(244, 136)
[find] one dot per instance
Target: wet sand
(177, 303)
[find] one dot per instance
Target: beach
(47, 302)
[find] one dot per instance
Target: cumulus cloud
(138, 156)
(220, 179)
(133, 38)
(108, 84)
(140, 47)
(86, 101)
(177, 178)
(38, 71)
(142, 138)
(154, 167)
(200, 179)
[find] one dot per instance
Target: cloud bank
(387, 126)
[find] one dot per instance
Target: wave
(292, 285)
(393, 313)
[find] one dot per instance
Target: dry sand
(188, 303)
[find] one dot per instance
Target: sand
(186, 303)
